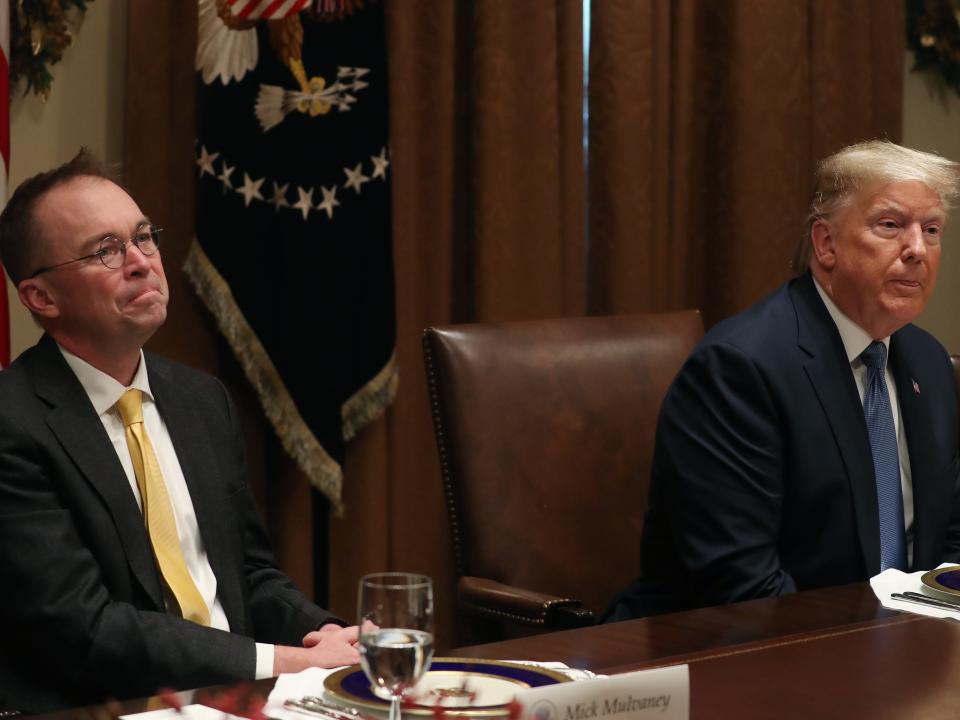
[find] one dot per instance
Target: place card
(662, 693)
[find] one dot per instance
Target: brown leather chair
(545, 431)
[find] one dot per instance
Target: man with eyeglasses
(131, 554)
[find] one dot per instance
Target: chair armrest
(528, 607)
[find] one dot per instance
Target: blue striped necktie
(886, 459)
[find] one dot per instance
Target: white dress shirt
(104, 391)
(855, 341)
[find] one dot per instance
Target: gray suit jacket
(81, 606)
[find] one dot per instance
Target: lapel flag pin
(916, 386)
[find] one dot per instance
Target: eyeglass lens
(113, 250)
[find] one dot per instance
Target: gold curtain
(706, 119)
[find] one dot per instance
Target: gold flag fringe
(369, 402)
(297, 439)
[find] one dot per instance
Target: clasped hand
(330, 646)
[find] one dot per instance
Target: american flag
(265, 9)
(5, 170)
(278, 9)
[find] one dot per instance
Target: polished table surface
(832, 653)
(652, 641)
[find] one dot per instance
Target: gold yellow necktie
(158, 512)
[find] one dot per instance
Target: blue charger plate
(945, 580)
(350, 685)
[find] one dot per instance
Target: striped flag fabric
(265, 9)
(5, 170)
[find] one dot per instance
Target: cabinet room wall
(85, 108)
(931, 121)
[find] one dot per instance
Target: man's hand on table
(330, 646)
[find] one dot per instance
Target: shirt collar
(855, 338)
(102, 389)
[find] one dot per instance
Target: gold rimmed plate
(462, 686)
(944, 581)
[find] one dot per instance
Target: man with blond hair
(790, 454)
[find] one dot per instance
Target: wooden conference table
(832, 653)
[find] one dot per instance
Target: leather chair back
(545, 431)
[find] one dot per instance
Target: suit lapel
(196, 453)
(79, 430)
(833, 383)
(916, 419)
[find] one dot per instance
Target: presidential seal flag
(292, 253)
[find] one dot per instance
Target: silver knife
(946, 601)
(318, 706)
(924, 600)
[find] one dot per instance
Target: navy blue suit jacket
(762, 479)
(81, 604)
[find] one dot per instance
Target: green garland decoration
(933, 33)
(40, 31)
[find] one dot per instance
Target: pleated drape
(706, 120)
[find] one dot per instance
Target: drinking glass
(396, 632)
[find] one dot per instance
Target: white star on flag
(380, 164)
(205, 161)
(279, 197)
(224, 176)
(305, 203)
(250, 190)
(329, 200)
(355, 178)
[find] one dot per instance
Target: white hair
(865, 165)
